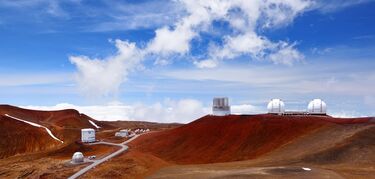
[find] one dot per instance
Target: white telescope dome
(276, 106)
(77, 157)
(317, 106)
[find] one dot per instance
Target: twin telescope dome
(276, 106)
(316, 106)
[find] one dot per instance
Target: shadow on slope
(357, 149)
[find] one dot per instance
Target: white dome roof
(317, 106)
(77, 157)
(276, 106)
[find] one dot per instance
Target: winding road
(97, 162)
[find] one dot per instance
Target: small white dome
(77, 157)
(317, 106)
(276, 106)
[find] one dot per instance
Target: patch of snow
(306, 169)
(36, 125)
(93, 123)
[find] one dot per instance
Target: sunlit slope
(232, 138)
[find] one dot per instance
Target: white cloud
(169, 41)
(286, 54)
(346, 114)
(335, 5)
(245, 18)
(206, 64)
(246, 109)
(104, 76)
(255, 15)
(98, 77)
(141, 15)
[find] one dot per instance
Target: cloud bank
(169, 111)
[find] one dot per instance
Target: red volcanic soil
(231, 138)
(20, 138)
(15, 135)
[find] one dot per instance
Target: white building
(220, 107)
(317, 106)
(122, 133)
(88, 135)
(276, 106)
(77, 157)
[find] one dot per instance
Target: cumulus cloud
(169, 41)
(104, 76)
(245, 18)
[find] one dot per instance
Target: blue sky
(171, 57)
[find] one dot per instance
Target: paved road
(97, 162)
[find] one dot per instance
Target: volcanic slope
(213, 139)
(18, 137)
(26, 131)
(340, 148)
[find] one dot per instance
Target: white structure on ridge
(88, 135)
(77, 157)
(317, 106)
(122, 133)
(276, 106)
(220, 107)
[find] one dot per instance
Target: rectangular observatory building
(220, 106)
(88, 135)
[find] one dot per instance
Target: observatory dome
(221, 106)
(276, 106)
(77, 157)
(317, 106)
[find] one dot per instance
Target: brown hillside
(69, 118)
(18, 138)
(232, 138)
(358, 149)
